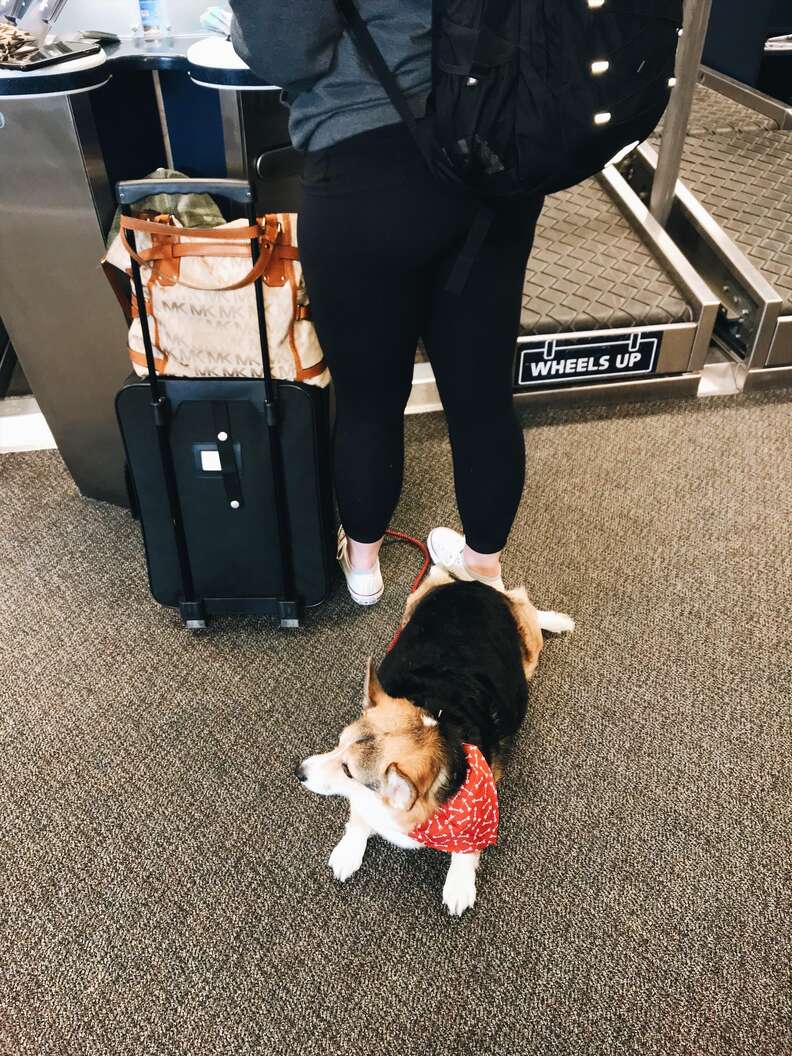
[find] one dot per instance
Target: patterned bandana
(468, 822)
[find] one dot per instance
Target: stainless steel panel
(750, 305)
(60, 313)
(703, 302)
(768, 378)
(93, 160)
(233, 135)
(676, 350)
(780, 354)
(655, 388)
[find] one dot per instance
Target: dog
(420, 766)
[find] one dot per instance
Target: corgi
(420, 766)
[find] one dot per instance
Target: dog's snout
(315, 775)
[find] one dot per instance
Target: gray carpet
(163, 884)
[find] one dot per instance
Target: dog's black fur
(460, 657)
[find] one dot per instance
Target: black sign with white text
(572, 360)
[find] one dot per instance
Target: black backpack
(532, 96)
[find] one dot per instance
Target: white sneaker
(446, 548)
(365, 588)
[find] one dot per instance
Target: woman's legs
(471, 342)
(368, 322)
(378, 239)
(371, 223)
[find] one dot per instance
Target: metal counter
(56, 205)
(60, 314)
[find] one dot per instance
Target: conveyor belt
(743, 180)
(714, 113)
(589, 270)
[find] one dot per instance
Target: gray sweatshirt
(300, 46)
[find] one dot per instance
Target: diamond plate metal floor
(743, 180)
(589, 270)
(713, 114)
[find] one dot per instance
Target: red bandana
(468, 822)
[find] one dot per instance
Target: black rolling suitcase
(230, 477)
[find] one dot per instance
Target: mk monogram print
(213, 333)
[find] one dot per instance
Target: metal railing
(672, 142)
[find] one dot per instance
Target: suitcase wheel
(193, 615)
(289, 613)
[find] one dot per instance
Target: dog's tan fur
(392, 734)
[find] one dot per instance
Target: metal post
(233, 134)
(163, 119)
(672, 143)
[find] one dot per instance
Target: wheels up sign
(574, 360)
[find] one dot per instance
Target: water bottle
(154, 20)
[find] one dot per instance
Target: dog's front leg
(347, 856)
(459, 891)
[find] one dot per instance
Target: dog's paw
(459, 892)
(346, 859)
(556, 622)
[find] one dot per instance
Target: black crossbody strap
(476, 237)
(370, 53)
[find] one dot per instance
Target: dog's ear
(398, 790)
(372, 690)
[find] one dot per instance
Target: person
(379, 235)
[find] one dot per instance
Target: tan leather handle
(258, 269)
(269, 235)
(173, 250)
(157, 227)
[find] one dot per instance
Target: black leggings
(378, 238)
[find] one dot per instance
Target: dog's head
(393, 757)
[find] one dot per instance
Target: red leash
(421, 546)
(403, 538)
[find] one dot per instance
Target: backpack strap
(370, 52)
(466, 258)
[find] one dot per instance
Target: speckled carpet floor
(163, 879)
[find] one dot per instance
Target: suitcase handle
(130, 191)
(239, 190)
